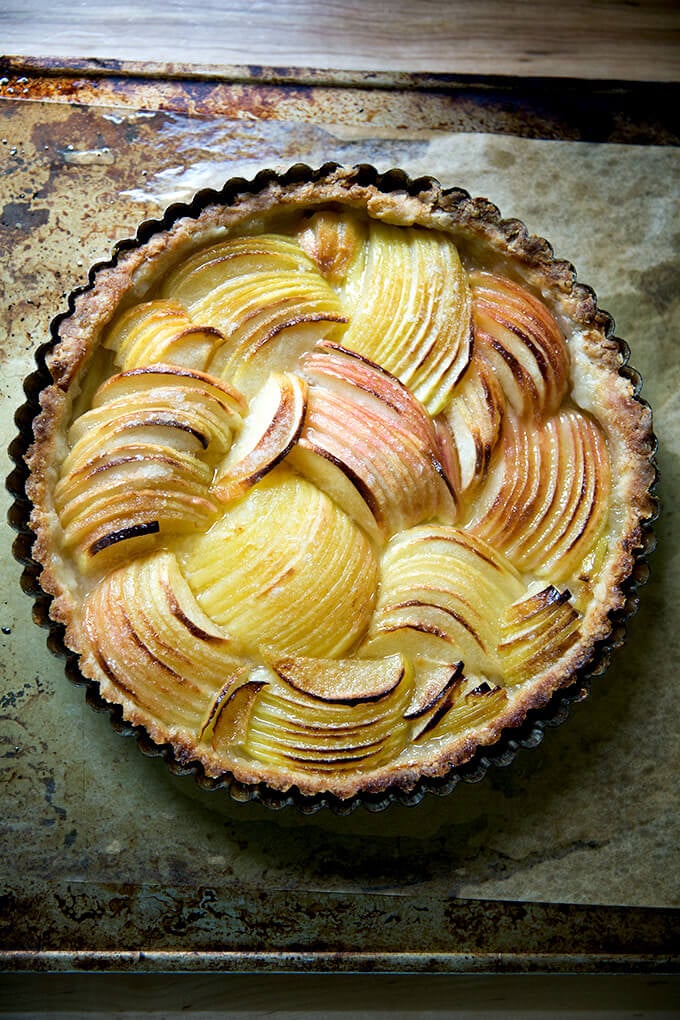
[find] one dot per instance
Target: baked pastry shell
(390, 193)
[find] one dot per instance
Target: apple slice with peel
(469, 705)
(433, 697)
(231, 716)
(323, 715)
(342, 681)
(442, 594)
(536, 632)
(519, 337)
(370, 444)
(205, 270)
(160, 332)
(558, 472)
(150, 640)
(140, 462)
(472, 420)
(269, 318)
(333, 240)
(349, 374)
(271, 428)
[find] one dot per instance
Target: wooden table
(604, 39)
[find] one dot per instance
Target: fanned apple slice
(333, 240)
(325, 715)
(141, 459)
(176, 387)
(467, 705)
(196, 419)
(151, 640)
(473, 419)
(285, 544)
(433, 696)
(269, 319)
(350, 374)
(133, 493)
(521, 339)
(160, 332)
(271, 428)
(227, 725)
(536, 632)
(442, 594)
(207, 269)
(410, 308)
(546, 497)
(391, 466)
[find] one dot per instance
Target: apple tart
(337, 480)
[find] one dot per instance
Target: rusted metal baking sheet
(567, 860)
(634, 113)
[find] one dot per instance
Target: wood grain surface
(599, 39)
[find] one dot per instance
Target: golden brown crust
(599, 386)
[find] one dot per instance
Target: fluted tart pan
(334, 487)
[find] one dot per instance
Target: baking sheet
(106, 860)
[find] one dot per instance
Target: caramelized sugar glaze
(334, 483)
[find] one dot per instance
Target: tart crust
(600, 384)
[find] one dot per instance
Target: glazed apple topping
(332, 504)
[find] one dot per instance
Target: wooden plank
(606, 39)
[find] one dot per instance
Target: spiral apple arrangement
(332, 503)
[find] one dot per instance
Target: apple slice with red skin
(546, 496)
(150, 638)
(516, 333)
(370, 444)
(471, 424)
(270, 430)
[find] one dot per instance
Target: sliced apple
(369, 444)
(141, 461)
(547, 494)
(472, 420)
(434, 695)
(174, 386)
(271, 428)
(160, 332)
(228, 728)
(342, 681)
(467, 706)
(269, 319)
(410, 308)
(207, 269)
(333, 240)
(314, 718)
(344, 487)
(518, 336)
(442, 594)
(131, 494)
(536, 632)
(285, 544)
(152, 641)
(355, 377)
